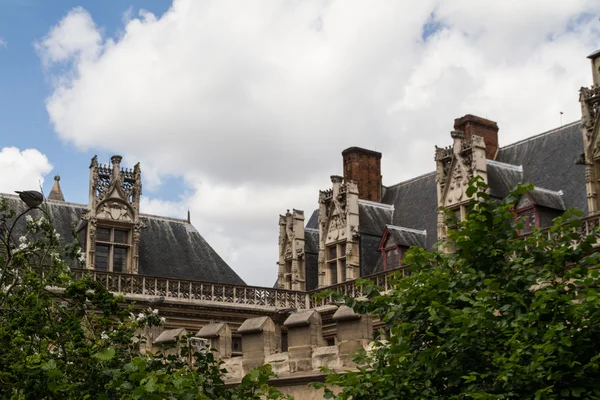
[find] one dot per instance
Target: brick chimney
(488, 130)
(364, 167)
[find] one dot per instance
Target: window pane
(102, 257)
(121, 236)
(119, 259)
(342, 252)
(236, 344)
(331, 253)
(343, 270)
(103, 234)
(333, 269)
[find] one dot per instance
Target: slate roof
(313, 221)
(168, 247)
(502, 178)
(373, 217)
(408, 237)
(549, 161)
(548, 198)
(415, 205)
(311, 257)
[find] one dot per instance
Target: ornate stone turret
(589, 98)
(292, 269)
(455, 166)
(338, 233)
(113, 231)
(56, 193)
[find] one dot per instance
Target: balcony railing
(145, 286)
(152, 287)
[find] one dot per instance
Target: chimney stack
(595, 58)
(363, 167)
(488, 130)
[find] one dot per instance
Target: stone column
(219, 335)
(304, 334)
(353, 332)
(258, 341)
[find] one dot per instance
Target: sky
(239, 110)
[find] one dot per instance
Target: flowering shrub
(147, 317)
(79, 341)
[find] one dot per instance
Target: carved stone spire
(56, 193)
(589, 98)
(114, 202)
(292, 267)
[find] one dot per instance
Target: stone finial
(259, 338)
(219, 335)
(353, 332)
(304, 335)
(56, 192)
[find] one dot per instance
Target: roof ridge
(14, 196)
(416, 178)
(505, 165)
(376, 204)
(541, 189)
(402, 228)
(539, 135)
(68, 203)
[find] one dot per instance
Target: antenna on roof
(189, 217)
(561, 114)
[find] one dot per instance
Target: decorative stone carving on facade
(292, 266)
(456, 165)
(338, 225)
(114, 201)
(589, 99)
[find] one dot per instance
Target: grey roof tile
(168, 247)
(549, 161)
(548, 198)
(408, 237)
(415, 205)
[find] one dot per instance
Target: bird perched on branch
(32, 198)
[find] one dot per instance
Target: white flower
(162, 320)
(29, 218)
(57, 235)
(23, 239)
(104, 336)
(155, 311)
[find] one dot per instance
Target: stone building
(363, 227)
(360, 227)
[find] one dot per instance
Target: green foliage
(67, 339)
(503, 317)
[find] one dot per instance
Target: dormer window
(113, 246)
(537, 208)
(395, 241)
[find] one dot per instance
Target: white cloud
(3, 43)
(27, 169)
(252, 102)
